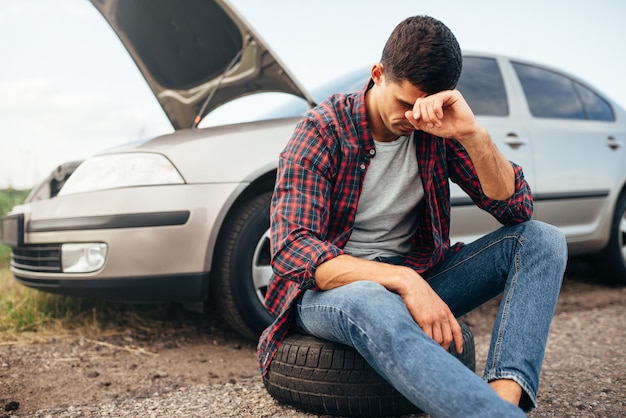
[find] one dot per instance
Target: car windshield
(295, 106)
(263, 106)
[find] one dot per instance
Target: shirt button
(362, 166)
(372, 152)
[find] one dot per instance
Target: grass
(8, 199)
(29, 314)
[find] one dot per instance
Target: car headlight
(83, 257)
(121, 170)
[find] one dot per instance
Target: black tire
(323, 377)
(612, 260)
(242, 268)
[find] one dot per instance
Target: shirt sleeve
(516, 209)
(300, 206)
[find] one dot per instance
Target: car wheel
(242, 268)
(613, 258)
(323, 377)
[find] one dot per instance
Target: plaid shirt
(319, 180)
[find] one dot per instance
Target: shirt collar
(365, 137)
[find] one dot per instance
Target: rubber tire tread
(227, 293)
(611, 263)
(323, 377)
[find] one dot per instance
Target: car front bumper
(159, 241)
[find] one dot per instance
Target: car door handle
(514, 141)
(613, 143)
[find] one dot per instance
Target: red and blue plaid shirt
(318, 184)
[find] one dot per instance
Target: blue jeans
(524, 262)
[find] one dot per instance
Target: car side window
(482, 87)
(595, 106)
(552, 95)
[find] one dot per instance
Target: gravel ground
(212, 372)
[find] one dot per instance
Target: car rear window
(553, 95)
(482, 86)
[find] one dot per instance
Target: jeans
(525, 263)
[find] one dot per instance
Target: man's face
(390, 101)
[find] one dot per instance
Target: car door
(485, 85)
(574, 149)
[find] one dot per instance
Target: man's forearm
(495, 172)
(346, 269)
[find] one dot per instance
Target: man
(360, 235)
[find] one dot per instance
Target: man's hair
(425, 52)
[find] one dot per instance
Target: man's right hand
(428, 310)
(431, 313)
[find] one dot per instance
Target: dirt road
(207, 370)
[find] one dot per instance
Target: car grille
(37, 258)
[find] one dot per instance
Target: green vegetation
(8, 199)
(27, 313)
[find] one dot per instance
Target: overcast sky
(68, 88)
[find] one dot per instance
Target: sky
(68, 89)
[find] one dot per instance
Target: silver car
(184, 217)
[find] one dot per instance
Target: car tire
(323, 377)
(242, 268)
(612, 262)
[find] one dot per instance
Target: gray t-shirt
(386, 217)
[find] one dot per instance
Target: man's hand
(425, 306)
(432, 314)
(445, 114)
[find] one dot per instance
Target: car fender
(259, 181)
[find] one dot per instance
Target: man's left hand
(445, 114)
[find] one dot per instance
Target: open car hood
(196, 55)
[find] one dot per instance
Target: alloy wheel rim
(621, 236)
(261, 268)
